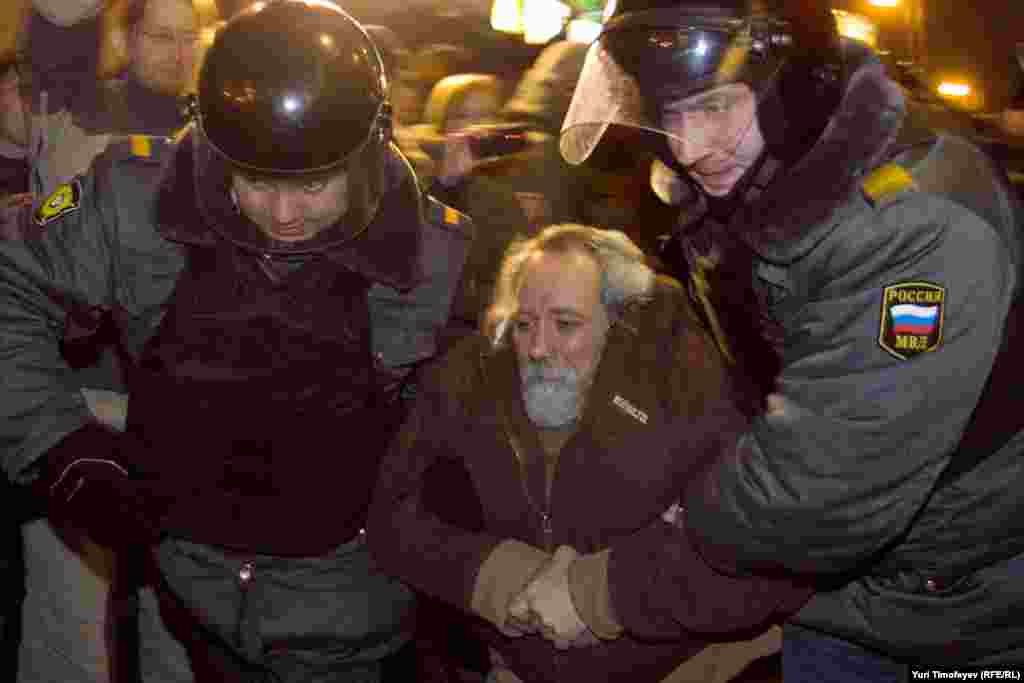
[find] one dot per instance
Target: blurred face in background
(408, 97)
(478, 106)
(14, 118)
(416, 74)
(164, 46)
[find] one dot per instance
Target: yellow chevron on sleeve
(887, 181)
(141, 146)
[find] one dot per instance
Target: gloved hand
(90, 482)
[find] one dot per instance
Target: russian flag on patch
(914, 319)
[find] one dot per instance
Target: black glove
(89, 482)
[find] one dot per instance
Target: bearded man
(574, 424)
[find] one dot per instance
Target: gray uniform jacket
(95, 244)
(891, 293)
(74, 112)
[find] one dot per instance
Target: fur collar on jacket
(801, 206)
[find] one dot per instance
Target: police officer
(274, 276)
(880, 262)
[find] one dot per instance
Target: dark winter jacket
(104, 247)
(655, 416)
(887, 261)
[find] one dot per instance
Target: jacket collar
(805, 202)
(390, 250)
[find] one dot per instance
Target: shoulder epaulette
(151, 148)
(886, 183)
(444, 216)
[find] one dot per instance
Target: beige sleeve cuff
(110, 408)
(588, 586)
(721, 662)
(501, 577)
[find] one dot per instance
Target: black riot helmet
(291, 89)
(651, 52)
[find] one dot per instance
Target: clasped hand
(545, 606)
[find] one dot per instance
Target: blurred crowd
(78, 75)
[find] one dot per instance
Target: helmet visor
(364, 172)
(681, 76)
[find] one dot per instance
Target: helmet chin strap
(747, 190)
(755, 179)
(789, 133)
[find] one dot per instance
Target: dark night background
(977, 36)
(962, 39)
(967, 39)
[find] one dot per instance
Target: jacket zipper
(546, 523)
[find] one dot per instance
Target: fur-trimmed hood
(805, 202)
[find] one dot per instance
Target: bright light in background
(856, 27)
(208, 33)
(207, 11)
(953, 89)
(884, 3)
(507, 16)
(583, 31)
(543, 20)
(702, 47)
(538, 20)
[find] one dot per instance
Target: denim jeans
(812, 657)
(988, 625)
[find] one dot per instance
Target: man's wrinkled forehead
(554, 282)
(568, 311)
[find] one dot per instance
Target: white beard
(552, 400)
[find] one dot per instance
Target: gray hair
(625, 278)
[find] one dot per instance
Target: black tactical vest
(265, 391)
